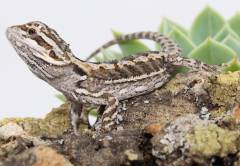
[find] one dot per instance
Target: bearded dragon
(49, 57)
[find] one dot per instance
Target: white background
(85, 24)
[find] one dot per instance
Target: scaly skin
(48, 56)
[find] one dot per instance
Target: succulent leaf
(207, 24)
(234, 22)
(184, 42)
(234, 65)
(167, 26)
(93, 112)
(61, 97)
(224, 32)
(234, 44)
(92, 116)
(108, 55)
(212, 52)
(99, 58)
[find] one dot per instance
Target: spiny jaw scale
(41, 41)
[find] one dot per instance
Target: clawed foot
(103, 127)
(71, 131)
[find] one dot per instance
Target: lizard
(49, 57)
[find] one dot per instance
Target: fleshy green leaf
(235, 23)
(167, 26)
(206, 24)
(108, 55)
(184, 42)
(99, 58)
(233, 65)
(181, 69)
(92, 116)
(224, 32)
(61, 97)
(130, 47)
(233, 44)
(212, 52)
(93, 112)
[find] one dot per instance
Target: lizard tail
(166, 43)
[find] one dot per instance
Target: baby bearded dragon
(48, 56)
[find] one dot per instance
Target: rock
(173, 139)
(114, 148)
(53, 125)
(131, 155)
(15, 140)
(11, 130)
(236, 114)
(224, 89)
(210, 140)
(153, 128)
(38, 156)
(192, 120)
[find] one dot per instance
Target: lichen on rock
(211, 140)
(224, 89)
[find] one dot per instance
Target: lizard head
(39, 40)
(39, 46)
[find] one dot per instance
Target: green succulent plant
(211, 39)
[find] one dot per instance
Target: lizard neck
(68, 79)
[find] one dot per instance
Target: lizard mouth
(14, 35)
(20, 40)
(9, 32)
(19, 43)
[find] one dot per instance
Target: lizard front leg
(109, 115)
(75, 114)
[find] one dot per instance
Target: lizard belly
(93, 100)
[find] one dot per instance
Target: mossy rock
(224, 89)
(53, 125)
(211, 140)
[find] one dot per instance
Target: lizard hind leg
(109, 116)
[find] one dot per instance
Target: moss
(53, 125)
(211, 140)
(131, 155)
(224, 89)
(57, 121)
(218, 112)
(173, 86)
(230, 78)
(30, 125)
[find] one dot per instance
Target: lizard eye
(31, 31)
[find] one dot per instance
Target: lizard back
(135, 65)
